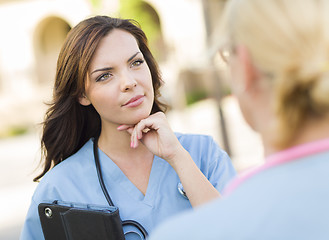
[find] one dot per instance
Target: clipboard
(72, 221)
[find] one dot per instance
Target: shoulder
(193, 138)
(198, 142)
(194, 224)
(213, 161)
(258, 205)
(64, 174)
(76, 161)
(221, 218)
(203, 146)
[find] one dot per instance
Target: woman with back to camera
(278, 54)
(107, 91)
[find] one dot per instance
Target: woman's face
(119, 82)
(240, 69)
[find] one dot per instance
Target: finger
(130, 130)
(144, 126)
(133, 139)
(146, 130)
(124, 127)
(139, 131)
(137, 134)
(127, 128)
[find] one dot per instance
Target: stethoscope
(107, 196)
(109, 200)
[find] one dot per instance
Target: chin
(138, 117)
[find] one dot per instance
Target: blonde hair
(289, 39)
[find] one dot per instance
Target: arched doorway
(48, 39)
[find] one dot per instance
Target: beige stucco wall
(21, 95)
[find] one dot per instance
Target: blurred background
(179, 32)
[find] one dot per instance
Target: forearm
(155, 133)
(196, 186)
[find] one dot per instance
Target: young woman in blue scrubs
(107, 87)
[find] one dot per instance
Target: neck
(116, 144)
(111, 137)
(312, 130)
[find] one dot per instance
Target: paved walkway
(19, 157)
(18, 160)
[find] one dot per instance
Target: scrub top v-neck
(75, 180)
(114, 173)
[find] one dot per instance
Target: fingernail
(131, 144)
(120, 127)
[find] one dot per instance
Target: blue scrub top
(75, 180)
(289, 201)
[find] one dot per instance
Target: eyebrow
(110, 68)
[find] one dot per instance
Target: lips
(135, 101)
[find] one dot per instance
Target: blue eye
(103, 77)
(137, 63)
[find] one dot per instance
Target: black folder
(70, 221)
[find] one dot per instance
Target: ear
(83, 100)
(250, 73)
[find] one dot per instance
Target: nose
(127, 81)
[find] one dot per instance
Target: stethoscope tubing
(107, 195)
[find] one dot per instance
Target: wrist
(180, 159)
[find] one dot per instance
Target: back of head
(288, 40)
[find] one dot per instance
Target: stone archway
(48, 39)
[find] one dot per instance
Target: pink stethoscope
(285, 156)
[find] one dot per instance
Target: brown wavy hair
(68, 125)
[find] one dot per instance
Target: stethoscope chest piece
(180, 189)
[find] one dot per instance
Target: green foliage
(96, 4)
(143, 14)
(195, 96)
(146, 16)
(13, 131)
